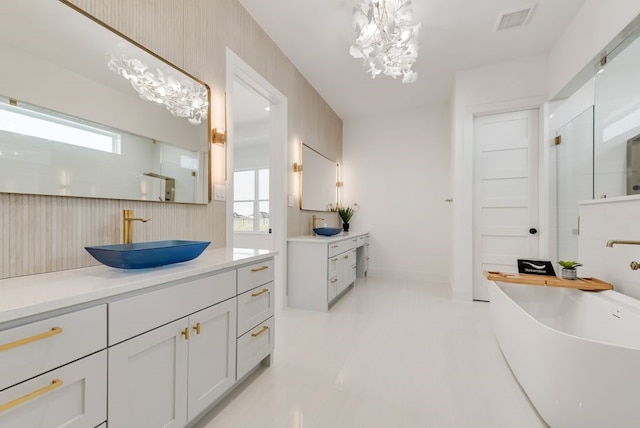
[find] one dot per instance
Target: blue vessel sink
(141, 255)
(327, 231)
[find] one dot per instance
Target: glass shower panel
(574, 179)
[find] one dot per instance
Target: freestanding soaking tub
(575, 353)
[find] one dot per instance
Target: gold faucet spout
(613, 242)
(315, 219)
(127, 226)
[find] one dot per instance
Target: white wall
(397, 168)
(596, 24)
(514, 85)
(601, 221)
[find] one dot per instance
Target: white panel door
(505, 194)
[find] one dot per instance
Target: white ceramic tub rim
(612, 296)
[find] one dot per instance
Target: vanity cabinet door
(72, 396)
(148, 379)
(212, 355)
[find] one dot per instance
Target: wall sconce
(218, 137)
(297, 167)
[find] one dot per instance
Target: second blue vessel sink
(141, 255)
(327, 231)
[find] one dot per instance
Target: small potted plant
(345, 214)
(569, 269)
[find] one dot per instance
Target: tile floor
(389, 354)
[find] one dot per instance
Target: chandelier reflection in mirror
(386, 40)
(182, 98)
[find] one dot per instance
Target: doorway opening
(256, 158)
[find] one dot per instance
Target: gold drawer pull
(55, 384)
(260, 293)
(258, 333)
(35, 338)
(196, 328)
(185, 333)
(260, 268)
(333, 281)
(346, 257)
(334, 246)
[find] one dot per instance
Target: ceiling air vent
(514, 17)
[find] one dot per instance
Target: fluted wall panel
(45, 233)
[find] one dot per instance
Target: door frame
(461, 275)
(533, 190)
(237, 69)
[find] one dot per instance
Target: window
(40, 123)
(251, 200)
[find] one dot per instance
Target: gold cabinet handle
(185, 333)
(55, 384)
(346, 257)
(260, 268)
(334, 246)
(260, 293)
(334, 280)
(258, 333)
(196, 328)
(34, 338)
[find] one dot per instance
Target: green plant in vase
(569, 269)
(346, 213)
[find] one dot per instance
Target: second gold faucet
(127, 227)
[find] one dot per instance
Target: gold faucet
(315, 219)
(127, 227)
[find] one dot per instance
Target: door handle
(533, 231)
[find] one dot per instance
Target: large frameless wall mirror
(86, 112)
(617, 122)
(319, 178)
(599, 154)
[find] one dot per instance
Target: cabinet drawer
(340, 247)
(135, 315)
(35, 348)
(255, 345)
(73, 396)
(255, 306)
(361, 240)
(250, 277)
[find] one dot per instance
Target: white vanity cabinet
(57, 367)
(256, 308)
(321, 269)
(170, 374)
(98, 347)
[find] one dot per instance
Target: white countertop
(326, 239)
(35, 294)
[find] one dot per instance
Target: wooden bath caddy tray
(587, 284)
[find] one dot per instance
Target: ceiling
(455, 35)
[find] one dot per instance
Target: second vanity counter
(321, 269)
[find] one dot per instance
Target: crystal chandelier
(386, 40)
(183, 98)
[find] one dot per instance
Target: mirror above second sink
(319, 181)
(55, 70)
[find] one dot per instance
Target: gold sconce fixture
(297, 167)
(221, 137)
(218, 137)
